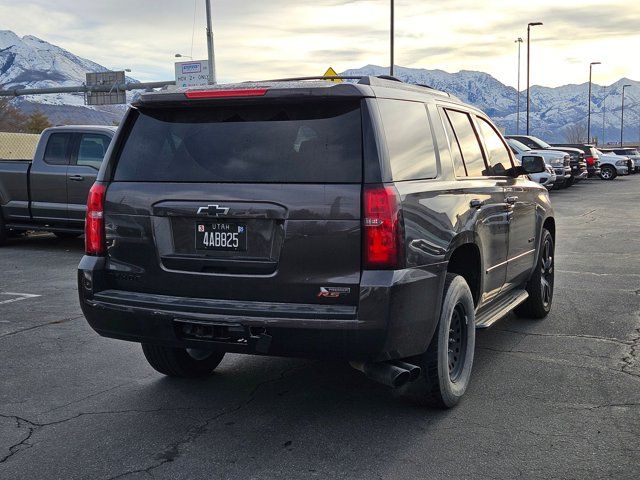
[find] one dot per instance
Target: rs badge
(333, 292)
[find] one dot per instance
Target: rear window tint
(302, 143)
(408, 133)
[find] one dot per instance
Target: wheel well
(465, 261)
(550, 224)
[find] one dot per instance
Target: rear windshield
(302, 143)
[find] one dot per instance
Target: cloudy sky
(257, 39)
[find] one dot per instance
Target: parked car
(378, 222)
(558, 172)
(579, 169)
(591, 156)
(630, 152)
(612, 165)
(50, 192)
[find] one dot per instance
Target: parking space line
(18, 297)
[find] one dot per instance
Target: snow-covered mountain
(30, 62)
(552, 109)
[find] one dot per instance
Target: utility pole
(604, 111)
(529, 25)
(589, 102)
(392, 36)
(622, 115)
(519, 42)
(211, 54)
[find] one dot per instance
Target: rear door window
(409, 140)
(57, 150)
(92, 148)
(468, 141)
(497, 154)
(269, 143)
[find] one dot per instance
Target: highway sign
(114, 96)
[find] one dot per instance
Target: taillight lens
(590, 160)
(94, 238)
(382, 228)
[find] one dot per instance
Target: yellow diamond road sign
(332, 73)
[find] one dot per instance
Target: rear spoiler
(300, 88)
(242, 93)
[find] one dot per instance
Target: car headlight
(557, 162)
(621, 163)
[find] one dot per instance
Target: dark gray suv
(376, 221)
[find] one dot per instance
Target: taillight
(590, 160)
(94, 238)
(244, 92)
(382, 228)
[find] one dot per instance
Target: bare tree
(576, 133)
(11, 120)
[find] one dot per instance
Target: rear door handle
(475, 203)
(76, 178)
(512, 199)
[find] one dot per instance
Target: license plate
(221, 236)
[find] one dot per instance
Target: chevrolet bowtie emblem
(213, 210)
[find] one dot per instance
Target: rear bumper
(396, 318)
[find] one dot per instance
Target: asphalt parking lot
(558, 398)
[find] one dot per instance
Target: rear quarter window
(266, 143)
(409, 140)
(58, 147)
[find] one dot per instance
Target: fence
(18, 146)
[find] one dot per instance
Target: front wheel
(608, 173)
(447, 363)
(182, 362)
(540, 286)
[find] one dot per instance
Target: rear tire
(540, 286)
(447, 363)
(181, 362)
(607, 172)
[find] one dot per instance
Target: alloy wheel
(546, 277)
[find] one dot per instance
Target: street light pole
(519, 42)
(589, 102)
(529, 25)
(392, 36)
(622, 114)
(604, 111)
(210, 51)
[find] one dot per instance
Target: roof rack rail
(372, 80)
(319, 77)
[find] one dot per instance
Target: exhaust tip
(401, 378)
(413, 370)
(388, 374)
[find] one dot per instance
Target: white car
(612, 165)
(558, 168)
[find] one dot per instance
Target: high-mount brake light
(246, 92)
(382, 228)
(94, 236)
